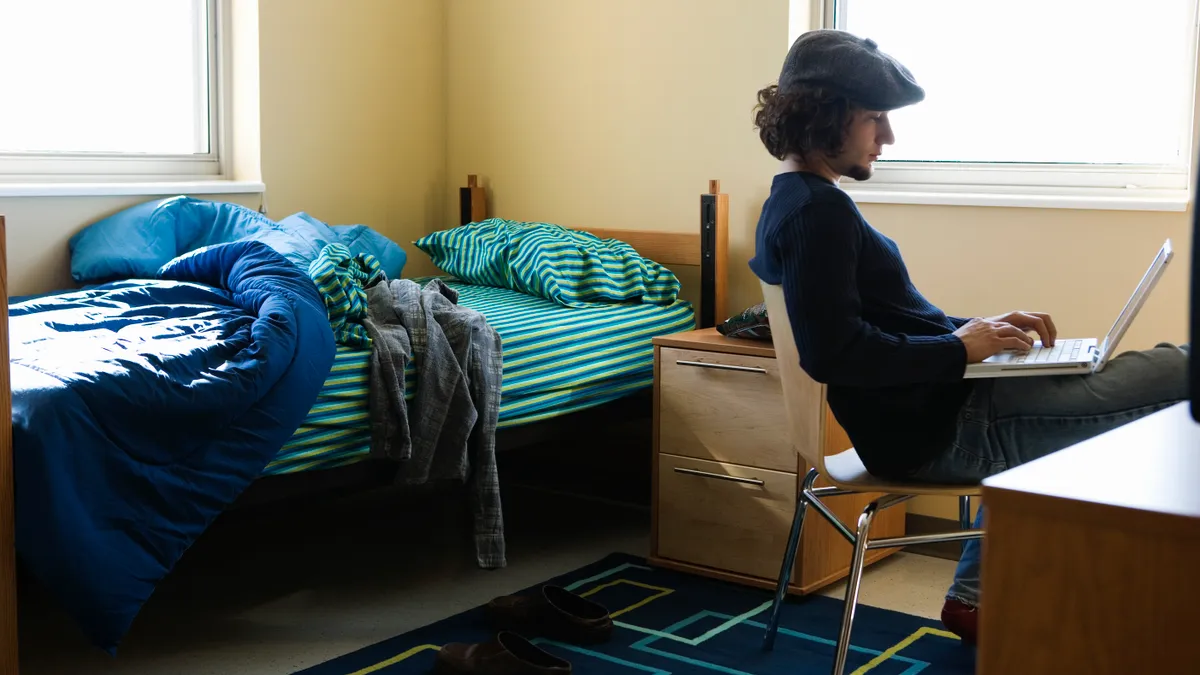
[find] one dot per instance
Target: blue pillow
(359, 239)
(136, 242)
(131, 244)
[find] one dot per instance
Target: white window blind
(1077, 93)
(108, 87)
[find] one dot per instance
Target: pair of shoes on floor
(961, 619)
(553, 613)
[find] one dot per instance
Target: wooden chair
(846, 475)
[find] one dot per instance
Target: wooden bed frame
(707, 248)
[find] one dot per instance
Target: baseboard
(915, 523)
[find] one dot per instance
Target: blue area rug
(668, 622)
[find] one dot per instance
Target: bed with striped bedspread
(557, 360)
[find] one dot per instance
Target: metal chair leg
(964, 514)
(852, 587)
(789, 560)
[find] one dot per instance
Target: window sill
(148, 189)
(1023, 197)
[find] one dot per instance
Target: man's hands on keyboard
(986, 337)
(1037, 322)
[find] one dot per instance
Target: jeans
(1009, 421)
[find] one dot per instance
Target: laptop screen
(1135, 302)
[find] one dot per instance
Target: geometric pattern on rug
(671, 623)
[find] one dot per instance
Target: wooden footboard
(8, 553)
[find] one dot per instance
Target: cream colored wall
(975, 261)
(615, 113)
(352, 130)
(353, 113)
(621, 123)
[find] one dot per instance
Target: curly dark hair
(802, 121)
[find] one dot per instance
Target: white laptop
(1079, 356)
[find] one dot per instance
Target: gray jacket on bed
(448, 432)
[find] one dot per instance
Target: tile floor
(275, 591)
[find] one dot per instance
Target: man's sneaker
(961, 619)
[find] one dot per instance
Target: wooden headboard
(706, 248)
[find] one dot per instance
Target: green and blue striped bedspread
(557, 360)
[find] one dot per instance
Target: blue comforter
(142, 408)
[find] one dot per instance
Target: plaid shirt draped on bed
(448, 432)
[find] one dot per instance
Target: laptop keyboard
(1062, 351)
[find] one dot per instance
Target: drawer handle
(705, 474)
(723, 366)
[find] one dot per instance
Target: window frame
(44, 168)
(1150, 187)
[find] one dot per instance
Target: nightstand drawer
(724, 408)
(724, 516)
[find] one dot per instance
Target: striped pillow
(572, 268)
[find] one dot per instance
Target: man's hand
(1037, 322)
(987, 337)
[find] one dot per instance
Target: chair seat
(846, 470)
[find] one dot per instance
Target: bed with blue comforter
(198, 356)
(145, 403)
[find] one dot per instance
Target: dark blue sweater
(892, 365)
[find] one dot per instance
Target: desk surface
(1090, 557)
(1149, 465)
(708, 339)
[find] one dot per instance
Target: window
(1068, 101)
(117, 89)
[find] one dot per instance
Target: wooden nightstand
(726, 476)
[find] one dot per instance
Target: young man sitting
(892, 360)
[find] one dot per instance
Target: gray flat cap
(851, 66)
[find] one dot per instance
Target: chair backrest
(803, 397)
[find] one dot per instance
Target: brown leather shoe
(507, 654)
(553, 612)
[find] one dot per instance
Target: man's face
(869, 131)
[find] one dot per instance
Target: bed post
(472, 205)
(714, 255)
(8, 553)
